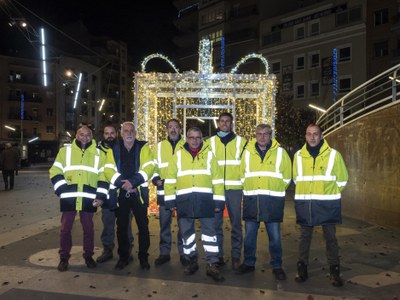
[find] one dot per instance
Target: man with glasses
(194, 188)
(129, 166)
(266, 171)
(228, 147)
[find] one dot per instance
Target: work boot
(90, 263)
(144, 262)
(214, 273)
(122, 263)
(302, 273)
(279, 274)
(235, 263)
(192, 267)
(105, 256)
(162, 259)
(335, 276)
(63, 265)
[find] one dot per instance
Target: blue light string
(334, 74)
(222, 54)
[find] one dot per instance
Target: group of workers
(198, 179)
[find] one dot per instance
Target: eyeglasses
(195, 138)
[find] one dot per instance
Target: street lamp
(9, 127)
(317, 108)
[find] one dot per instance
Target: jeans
(108, 234)
(165, 232)
(233, 200)
(67, 221)
(332, 247)
(275, 245)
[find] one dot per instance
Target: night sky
(146, 26)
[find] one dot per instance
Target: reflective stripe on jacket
(228, 157)
(265, 182)
(78, 177)
(319, 183)
(162, 154)
(194, 185)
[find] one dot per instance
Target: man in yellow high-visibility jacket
(266, 171)
(194, 187)
(162, 154)
(320, 175)
(228, 147)
(78, 179)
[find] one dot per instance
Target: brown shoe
(214, 273)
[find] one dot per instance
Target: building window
(344, 84)
(49, 129)
(314, 88)
(299, 32)
(215, 36)
(344, 54)
(381, 17)
(299, 89)
(348, 16)
(34, 131)
(313, 60)
(381, 49)
(299, 62)
(273, 37)
(314, 28)
(276, 67)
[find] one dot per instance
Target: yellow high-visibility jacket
(319, 183)
(194, 185)
(78, 177)
(228, 151)
(162, 154)
(265, 181)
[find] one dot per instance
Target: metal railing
(375, 94)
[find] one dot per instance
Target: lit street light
(317, 108)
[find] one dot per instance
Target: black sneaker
(63, 265)
(90, 263)
(105, 256)
(144, 263)
(162, 259)
(279, 274)
(191, 268)
(122, 263)
(185, 262)
(243, 269)
(214, 273)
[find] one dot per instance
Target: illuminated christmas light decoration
(203, 94)
(77, 89)
(43, 46)
(157, 55)
(251, 56)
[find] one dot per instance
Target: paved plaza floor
(29, 226)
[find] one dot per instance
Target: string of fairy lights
(162, 96)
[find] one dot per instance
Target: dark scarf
(314, 151)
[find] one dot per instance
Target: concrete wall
(371, 149)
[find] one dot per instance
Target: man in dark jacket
(9, 163)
